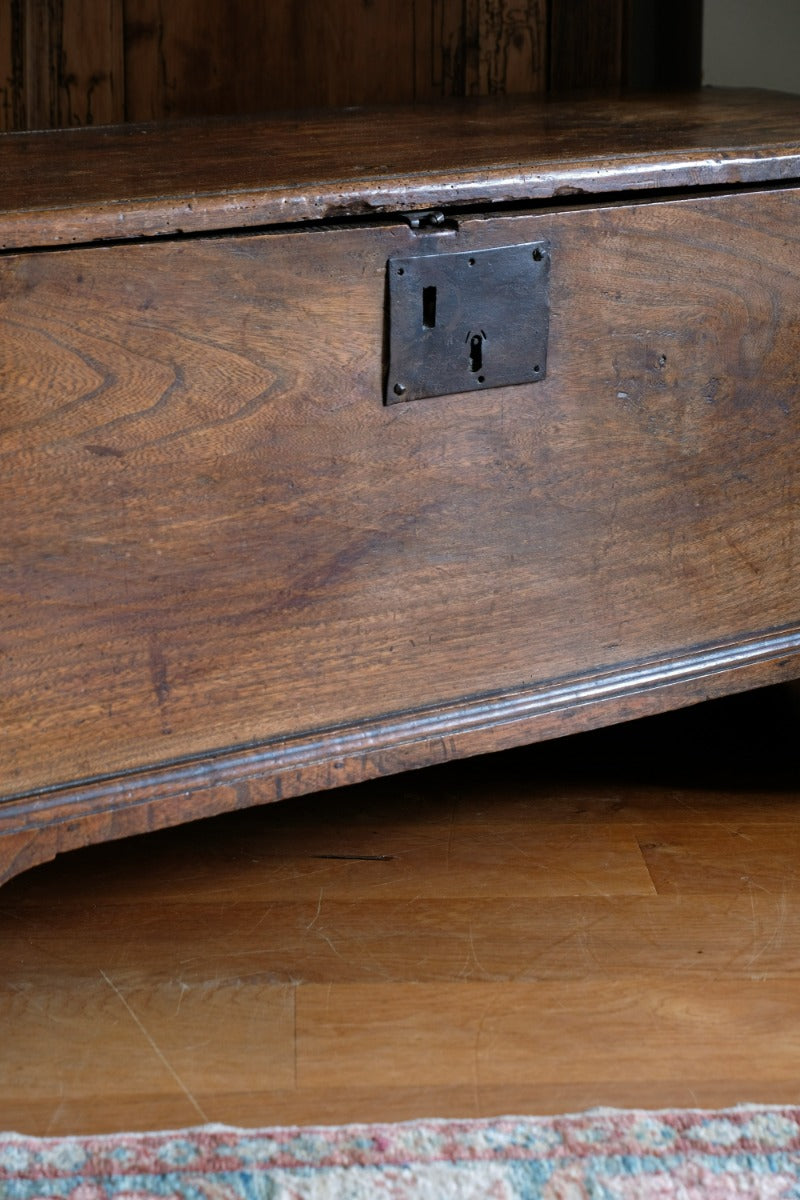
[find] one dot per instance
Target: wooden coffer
(231, 572)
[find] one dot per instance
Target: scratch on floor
(476, 1057)
(473, 956)
(56, 1114)
(316, 914)
(321, 933)
(776, 937)
(156, 1050)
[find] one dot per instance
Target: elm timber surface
(193, 566)
(606, 919)
(229, 574)
(62, 186)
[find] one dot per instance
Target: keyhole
(476, 352)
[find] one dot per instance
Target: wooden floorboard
(609, 919)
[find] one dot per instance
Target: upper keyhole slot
(429, 307)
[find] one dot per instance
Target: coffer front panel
(215, 534)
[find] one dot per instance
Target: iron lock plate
(467, 320)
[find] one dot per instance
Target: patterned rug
(601, 1155)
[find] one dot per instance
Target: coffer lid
(79, 185)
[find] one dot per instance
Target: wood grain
(186, 59)
(92, 83)
(539, 1032)
(89, 184)
(510, 40)
(37, 828)
(359, 864)
(212, 545)
(587, 44)
(72, 58)
(194, 974)
(11, 99)
(129, 359)
(175, 1016)
(444, 52)
(93, 63)
(378, 936)
(80, 63)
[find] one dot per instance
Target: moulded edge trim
(371, 737)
